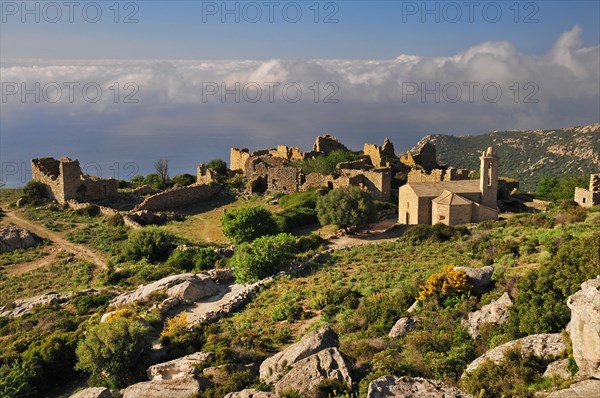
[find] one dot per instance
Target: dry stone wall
(179, 196)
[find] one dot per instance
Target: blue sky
(364, 29)
(544, 61)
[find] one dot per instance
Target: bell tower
(488, 180)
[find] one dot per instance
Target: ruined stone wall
(204, 175)
(327, 144)
(437, 175)
(237, 159)
(583, 197)
(317, 180)
(179, 196)
(286, 179)
(46, 171)
(289, 153)
(378, 154)
(375, 154)
(64, 181)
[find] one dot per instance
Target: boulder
(274, 367)
(199, 286)
(15, 238)
(306, 374)
(583, 389)
(93, 392)
(545, 346)
(584, 327)
(495, 312)
(23, 306)
(558, 368)
(186, 387)
(412, 387)
(403, 326)
(251, 394)
(178, 368)
(479, 278)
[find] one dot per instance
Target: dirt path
(58, 241)
(211, 304)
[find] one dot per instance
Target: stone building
(64, 181)
(589, 197)
(452, 202)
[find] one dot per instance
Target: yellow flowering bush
(448, 283)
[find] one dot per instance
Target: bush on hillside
(193, 259)
(347, 207)
(113, 352)
(151, 243)
(433, 233)
(557, 189)
(34, 192)
(263, 257)
(184, 180)
(448, 284)
(248, 223)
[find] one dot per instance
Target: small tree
(137, 181)
(34, 192)
(263, 257)
(218, 165)
(155, 181)
(151, 243)
(162, 169)
(248, 223)
(113, 352)
(347, 207)
(449, 283)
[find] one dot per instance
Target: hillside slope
(526, 155)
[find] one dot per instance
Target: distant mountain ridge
(526, 155)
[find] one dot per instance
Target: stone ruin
(273, 169)
(64, 181)
(422, 166)
(589, 197)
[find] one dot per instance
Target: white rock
(412, 387)
(178, 368)
(495, 312)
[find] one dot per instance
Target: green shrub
(155, 181)
(510, 378)
(295, 217)
(558, 189)
(114, 352)
(540, 306)
(90, 303)
(309, 242)
(193, 259)
(347, 207)
(218, 165)
(433, 233)
(184, 179)
(150, 243)
(325, 164)
(263, 257)
(248, 223)
(34, 192)
(288, 311)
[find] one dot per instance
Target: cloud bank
(196, 109)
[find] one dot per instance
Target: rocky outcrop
(479, 278)
(273, 367)
(584, 327)
(495, 312)
(403, 326)
(93, 392)
(178, 368)
(15, 238)
(558, 368)
(251, 394)
(412, 387)
(186, 387)
(584, 389)
(23, 306)
(545, 346)
(307, 374)
(196, 286)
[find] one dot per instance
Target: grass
(63, 276)
(23, 255)
(9, 196)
